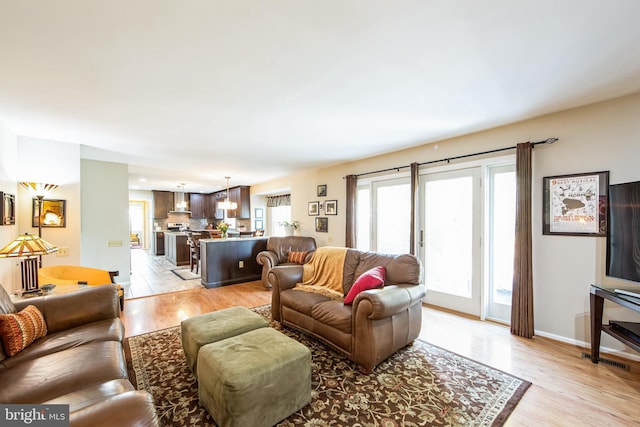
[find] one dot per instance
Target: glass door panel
(451, 252)
(502, 217)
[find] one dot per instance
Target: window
(277, 215)
(383, 216)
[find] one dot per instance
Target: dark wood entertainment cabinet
(598, 295)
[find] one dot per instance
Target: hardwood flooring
(567, 389)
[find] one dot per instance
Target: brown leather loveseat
(277, 253)
(79, 362)
(378, 323)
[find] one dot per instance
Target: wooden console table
(598, 295)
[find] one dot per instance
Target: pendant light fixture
(226, 205)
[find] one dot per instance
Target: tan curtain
(414, 207)
(281, 200)
(522, 298)
(350, 235)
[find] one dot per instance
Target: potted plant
(289, 227)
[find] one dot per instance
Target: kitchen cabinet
(162, 204)
(229, 261)
(219, 197)
(199, 205)
(176, 250)
(210, 202)
(158, 243)
(241, 196)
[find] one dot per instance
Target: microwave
(8, 209)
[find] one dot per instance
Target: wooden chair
(194, 247)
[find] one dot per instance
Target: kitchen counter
(176, 250)
(230, 261)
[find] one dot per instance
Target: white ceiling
(191, 91)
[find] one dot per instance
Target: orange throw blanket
(324, 273)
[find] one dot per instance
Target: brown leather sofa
(79, 362)
(376, 325)
(277, 251)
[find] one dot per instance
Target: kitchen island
(176, 250)
(230, 261)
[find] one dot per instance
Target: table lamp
(28, 246)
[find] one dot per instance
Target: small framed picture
(331, 207)
(258, 224)
(52, 213)
(259, 213)
(322, 190)
(575, 205)
(314, 208)
(322, 225)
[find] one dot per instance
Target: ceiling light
(226, 205)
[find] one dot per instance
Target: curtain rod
(448, 159)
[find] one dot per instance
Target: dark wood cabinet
(220, 196)
(158, 242)
(176, 250)
(241, 196)
(162, 204)
(210, 201)
(199, 205)
(229, 261)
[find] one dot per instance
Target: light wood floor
(567, 390)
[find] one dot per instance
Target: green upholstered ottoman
(254, 379)
(215, 326)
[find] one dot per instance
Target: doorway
(138, 224)
(451, 226)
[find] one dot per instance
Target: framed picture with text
(575, 205)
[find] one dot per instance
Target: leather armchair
(277, 251)
(377, 324)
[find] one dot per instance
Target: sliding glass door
(451, 249)
(383, 216)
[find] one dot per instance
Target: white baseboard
(620, 353)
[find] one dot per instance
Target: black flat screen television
(623, 231)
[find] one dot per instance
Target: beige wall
(59, 163)
(8, 184)
(105, 217)
(602, 136)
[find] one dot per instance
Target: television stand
(622, 331)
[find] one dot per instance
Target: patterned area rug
(185, 273)
(420, 385)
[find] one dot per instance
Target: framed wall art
(322, 190)
(259, 225)
(52, 213)
(575, 205)
(322, 225)
(259, 213)
(331, 207)
(314, 208)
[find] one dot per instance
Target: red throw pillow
(18, 330)
(296, 257)
(371, 279)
